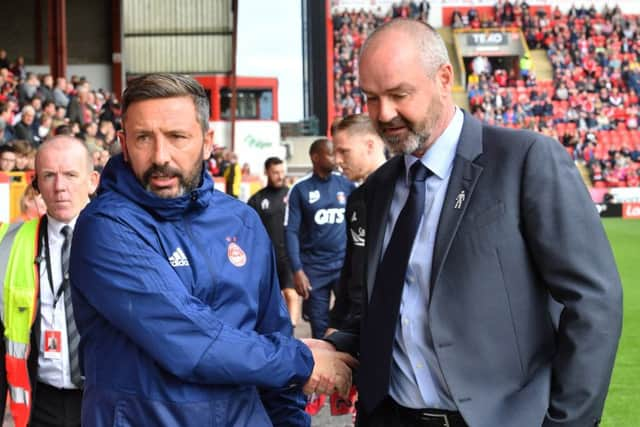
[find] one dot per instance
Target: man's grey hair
(166, 85)
(431, 46)
(28, 109)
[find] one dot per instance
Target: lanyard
(47, 256)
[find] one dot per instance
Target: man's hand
(329, 332)
(331, 370)
(315, 344)
(302, 284)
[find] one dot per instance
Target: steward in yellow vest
(20, 285)
(40, 368)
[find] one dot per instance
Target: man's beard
(411, 143)
(185, 184)
(419, 133)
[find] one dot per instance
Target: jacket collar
(118, 177)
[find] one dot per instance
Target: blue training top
(314, 225)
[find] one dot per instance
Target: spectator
(7, 158)
(5, 120)
(24, 129)
(4, 60)
(525, 66)
(28, 89)
(25, 155)
(31, 204)
(79, 110)
(45, 90)
(481, 65)
(60, 93)
(18, 69)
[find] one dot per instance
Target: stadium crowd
(350, 29)
(35, 107)
(591, 106)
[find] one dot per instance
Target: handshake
(331, 370)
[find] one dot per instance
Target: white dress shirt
(416, 380)
(55, 372)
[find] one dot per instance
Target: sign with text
(255, 140)
(489, 43)
(487, 39)
(631, 210)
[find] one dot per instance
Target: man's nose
(161, 154)
(387, 111)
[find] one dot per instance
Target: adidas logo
(178, 259)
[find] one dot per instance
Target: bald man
(471, 230)
(40, 366)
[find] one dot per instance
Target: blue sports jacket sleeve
(286, 405)
(292, 222)
(136, 290)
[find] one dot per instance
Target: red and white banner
(631, 210)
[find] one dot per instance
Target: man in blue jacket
(314, 233)
(175, 288)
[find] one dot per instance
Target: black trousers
(390, 414)
(55, 407)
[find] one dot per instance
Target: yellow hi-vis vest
(18, 250)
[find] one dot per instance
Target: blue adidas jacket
(314, 226)
(179, 309)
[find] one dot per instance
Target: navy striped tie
(379, 328)
(73, 336)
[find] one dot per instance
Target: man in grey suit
(474, 236)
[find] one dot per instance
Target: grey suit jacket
(526, 233)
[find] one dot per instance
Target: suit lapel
(464, 176)
(378, 206)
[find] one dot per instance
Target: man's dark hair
(165, 85)
(63, 130)
(317, 145)
(7, 147)
(272, 161)
(22, 147)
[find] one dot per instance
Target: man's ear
(370, 144)
(94, 180)
(207, 147)
(123, 143)
(445, 77)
